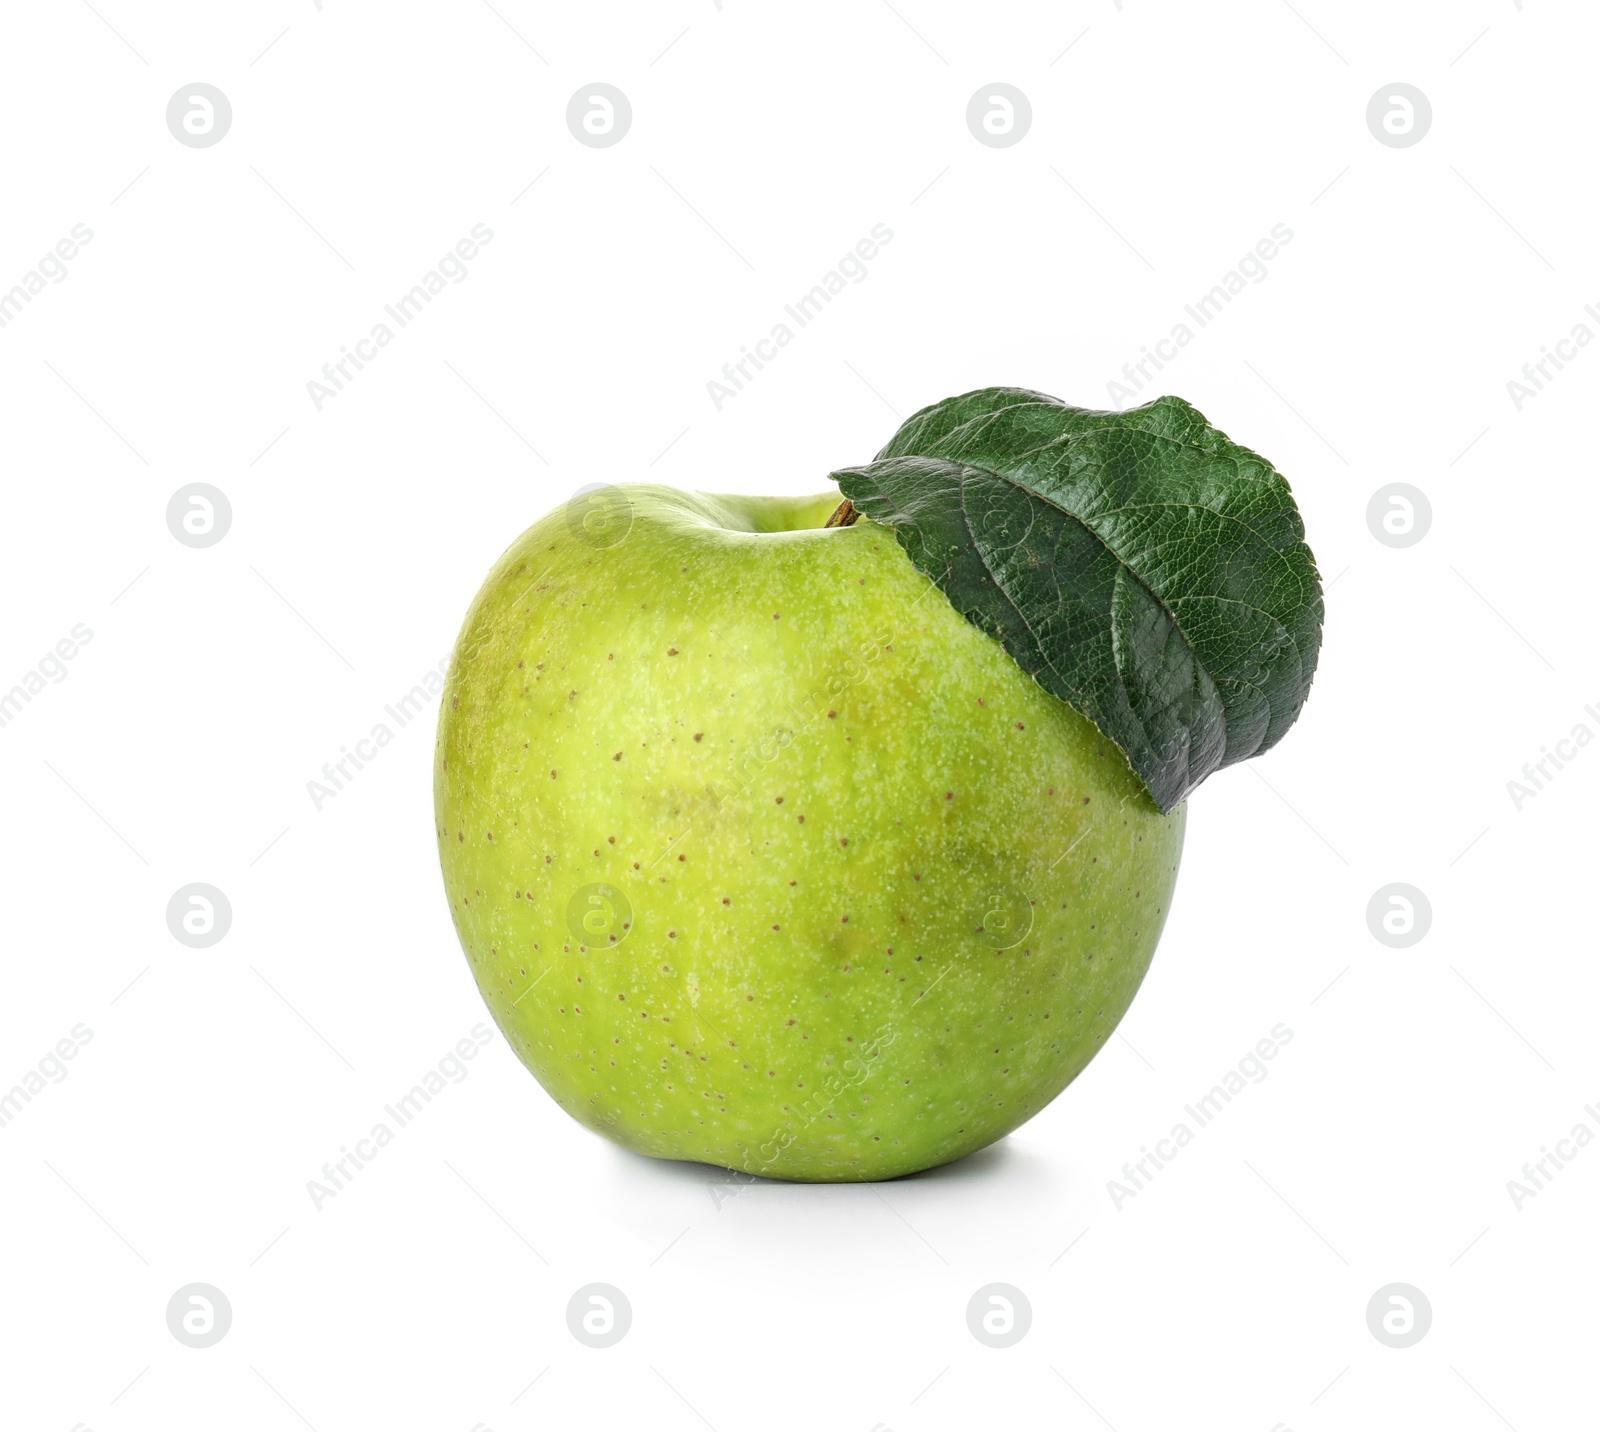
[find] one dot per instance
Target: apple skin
(885, 896)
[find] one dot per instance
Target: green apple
(765, 856)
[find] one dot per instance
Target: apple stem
(843, 515)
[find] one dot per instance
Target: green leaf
(1139, 565)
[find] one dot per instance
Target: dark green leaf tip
(1139, 565)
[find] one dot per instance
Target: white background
(1167, 138)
